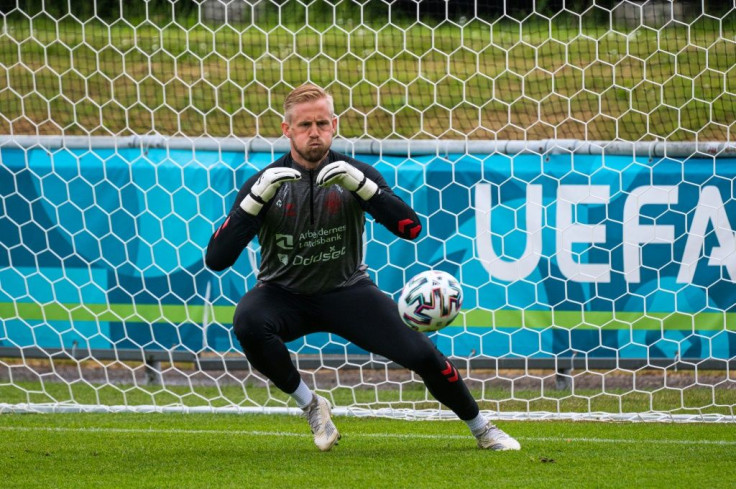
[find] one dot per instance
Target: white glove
(349, 177)
(266, 186)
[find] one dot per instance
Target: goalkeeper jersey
(311, 237)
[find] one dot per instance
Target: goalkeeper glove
(266, 186)
(349, 177)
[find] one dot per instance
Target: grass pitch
(202, 450)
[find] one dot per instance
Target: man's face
(310, 130)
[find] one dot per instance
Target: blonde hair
(306, 93)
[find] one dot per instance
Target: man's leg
(265, 318)
(367, 317)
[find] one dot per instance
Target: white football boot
(318, 416)
(494, 438)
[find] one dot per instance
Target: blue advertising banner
(602, 255)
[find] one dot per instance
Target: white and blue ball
(430, 301)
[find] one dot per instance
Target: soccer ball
(430, 301)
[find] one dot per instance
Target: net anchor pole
(563, 377)
(206, 317)
(153, 371)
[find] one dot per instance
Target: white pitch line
(359, 435)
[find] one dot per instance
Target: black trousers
(268, 316)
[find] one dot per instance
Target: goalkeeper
(307, 209)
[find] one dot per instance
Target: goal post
(573, 167)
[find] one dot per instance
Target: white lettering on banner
(569, 233)
(710, 210)
(509, 271)
(637, 234)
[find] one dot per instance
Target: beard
(312, 154)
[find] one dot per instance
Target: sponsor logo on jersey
(310, 247)
(333, 254)
(285, 241)
(321, 236)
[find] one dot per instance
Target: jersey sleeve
(234, 234)
(387, 208)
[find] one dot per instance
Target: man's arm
(388, 209)
(234, 234)
(374, 196)
(245, 217)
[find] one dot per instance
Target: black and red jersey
(311, 237)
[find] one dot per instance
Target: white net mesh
(573, 166)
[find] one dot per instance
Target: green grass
(170, 450)
(564, 78)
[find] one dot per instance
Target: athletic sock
(477, 425)
(302, 395)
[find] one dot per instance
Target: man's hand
(349, 177)
(265, 188)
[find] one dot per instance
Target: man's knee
(251, 328)
(426, 360)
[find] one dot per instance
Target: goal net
(573, 165)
